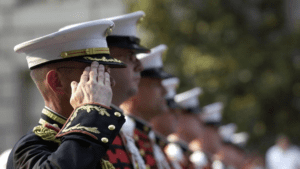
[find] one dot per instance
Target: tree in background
(239, 52)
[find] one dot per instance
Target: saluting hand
(94, 86)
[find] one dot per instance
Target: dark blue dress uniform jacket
(80, 142)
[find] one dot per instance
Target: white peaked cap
(170, 85)
(188, 99)
(88, 37)
(198, 158)
(126, 25)
(240, 139)
(174, 152)
(227, 131)
(212, 113)
(154, 58)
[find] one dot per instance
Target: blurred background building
(243, 53)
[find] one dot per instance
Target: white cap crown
(240, 139)
(227, 131)
(170, 85)
(126, 25)
(212, 113)
(154, 58)
(188, 99)
(90, 37)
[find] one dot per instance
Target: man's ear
(54, 82)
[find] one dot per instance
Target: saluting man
(124, 44)
(148, 103)
(77, 125)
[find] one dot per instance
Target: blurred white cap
(212, 113)
(189, 99)
(227, 131)
(170, 85)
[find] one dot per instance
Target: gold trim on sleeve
(79, 127)
(89, 108)
(83, 52)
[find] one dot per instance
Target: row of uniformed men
(161, 130)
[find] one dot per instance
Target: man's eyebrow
(66, 67)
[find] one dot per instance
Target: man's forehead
(74, 64)
(117, 49)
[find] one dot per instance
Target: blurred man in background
(283, 155)
(146, 104)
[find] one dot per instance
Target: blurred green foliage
(239, 52)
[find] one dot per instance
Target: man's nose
(138, 66)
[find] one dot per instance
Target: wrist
(92, 103)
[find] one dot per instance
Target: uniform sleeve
(85, 137)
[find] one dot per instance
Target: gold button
(136, 137)
(148, 166)
(104, 139)
(141, 19)
(118, 114)
(111, 127)
(65, 54)
(142, 152)
(146, 128)
(161, 143)
(108, 31)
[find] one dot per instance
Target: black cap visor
(171, 103)
(194, 110)
(213, 123)
(155, 73)
(129, 42)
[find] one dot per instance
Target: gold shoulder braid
(46, 133)
(106, 164)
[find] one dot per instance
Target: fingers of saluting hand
(101, 74)
(107, 79)
(93, 72)
(85, 74)
(74, 86)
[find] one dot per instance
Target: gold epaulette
(46, 133)
(107, 165)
